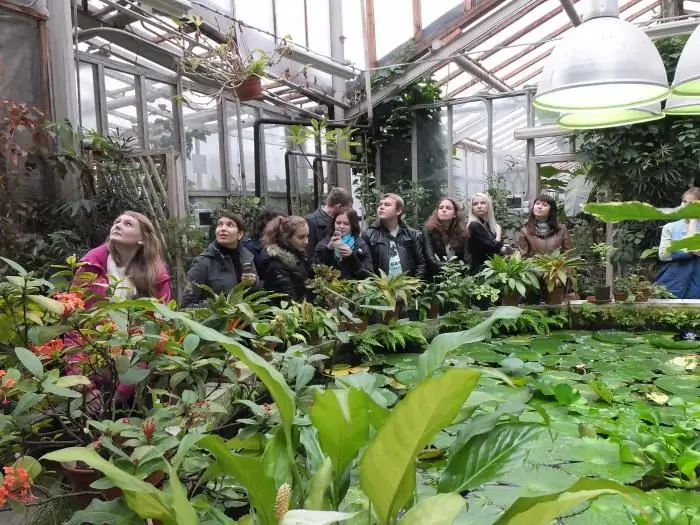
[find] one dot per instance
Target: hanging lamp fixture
(610, 118)
(601, 64)
(686, 81)
(677, 105)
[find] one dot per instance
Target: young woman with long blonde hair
(485, 234)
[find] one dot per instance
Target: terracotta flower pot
(250, 89)
(620, 297)
(510, 299)
(556, 296)
(434, 311)
(641, 296)
(361, 326)
(602, 293)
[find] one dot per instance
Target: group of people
(280, 253)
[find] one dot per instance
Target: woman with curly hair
(285, 240)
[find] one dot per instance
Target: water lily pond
(614, 405)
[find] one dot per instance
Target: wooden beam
(23, 10)
(417, 21)
(371, 33)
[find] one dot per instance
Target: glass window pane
(248, 116)
(202, 153)
(291, 21)
(394, 24)
(509, 160)
(88, 109)
(223, 6)
(352, 31)
(431, 10)
(256, 13)
(123, 116)
(159, 111)
(275, 148)
(319, 22)
(469, 136)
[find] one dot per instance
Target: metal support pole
(533, 178)
(489, 137)
(450, 157)
(241, 153)
(340, 173)
(414, 148)
(141, 110)
(225, 161)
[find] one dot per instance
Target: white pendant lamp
(686, 82)
(611, 118)
(676, 105)
(603, 63)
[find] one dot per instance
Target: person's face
(688, 197)
(227, 232)
(340, 208)
(126, 230)
(541, 210)
(446, 211)
(480, 207)
(300, 239)
(387, 209)
(342, 224)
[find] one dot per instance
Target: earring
(140, 243)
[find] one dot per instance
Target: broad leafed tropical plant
(557, 267)
(511, 274)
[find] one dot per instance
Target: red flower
(149, 428)
(160, 345)
(49, 349)
(72, 302)
(16, 485)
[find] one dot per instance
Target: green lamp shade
(686, 81)
(676, 105)
(610, 118)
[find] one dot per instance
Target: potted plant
(385, 294)
(251, 87)
(513, 275)
(448, 288)
(602, 252)
(640, 287)
(621, 289)
(557, 268)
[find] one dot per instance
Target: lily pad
(680, 385)
(670, 344)
(618, 338)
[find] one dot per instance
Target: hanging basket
(250, 89)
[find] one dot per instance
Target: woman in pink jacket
(128, 265)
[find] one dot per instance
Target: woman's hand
(249, 279)
(345, 251)
(499, 232)
(333, 243)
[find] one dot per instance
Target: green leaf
(274, 381)
(114, 512)
(441, 509)
(40, 335)
(190, 343)
(15, 266)
(26, 402)
(182, 508)
(30, 464)
(433, 357)
(342, 420)
(640, 211)
(315, 517)
(541, 510)
(46, 303)
(134, 375)
(30, 362)
(320, 483)
(485, 457)
(143, 497)
(387, 468)
(70, 381)
(250, 473)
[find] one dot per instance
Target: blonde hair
(398, 201)
(281, 229)
(148, 264)
(490, 218)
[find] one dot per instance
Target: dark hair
(266, 215)
(240, 223)
(280, 229)
(457, 231)
(552, 218)
(339, 196)
(353, 219)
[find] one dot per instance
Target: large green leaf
(271, 377)
(387, 468)
(320, 483)
(182, 508)
(142, 497)
(437, 510)
(439, 347)
(250, 473)
(541, 510)
(640, 211)
(114, 512)
(487, 456)
(342, 419)
(30, 361)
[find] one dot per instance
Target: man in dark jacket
(321, 221)
(395, 248)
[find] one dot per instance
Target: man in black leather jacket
(395, 248)
(321, 221)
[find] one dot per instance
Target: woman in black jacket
(224, 264)
(285, 240)
(344, 249)
(484, 233)
(254, 242)
(445, 236)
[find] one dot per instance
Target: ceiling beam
(475, 35)
(469, 66)
(568, 6)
